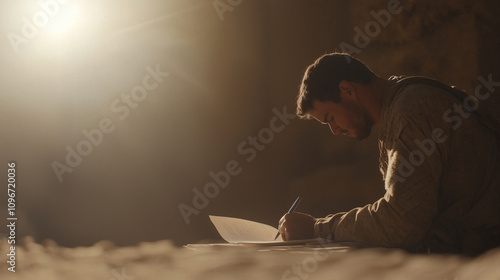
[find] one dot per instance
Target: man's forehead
(319, 111)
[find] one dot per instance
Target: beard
(365, 131)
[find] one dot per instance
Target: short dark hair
(321, 80)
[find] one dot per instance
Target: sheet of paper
(235, 230)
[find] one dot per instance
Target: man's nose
(334, 128)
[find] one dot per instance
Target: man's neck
(373, 99)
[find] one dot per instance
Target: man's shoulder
(418, 98)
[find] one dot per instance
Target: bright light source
(64, 20)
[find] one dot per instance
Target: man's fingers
(282, 228)
(296, 226)
(284, 233)
(284, 218)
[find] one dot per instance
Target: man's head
(333, 92)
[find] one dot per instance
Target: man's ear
(347, 90)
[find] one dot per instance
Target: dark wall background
(226, 77)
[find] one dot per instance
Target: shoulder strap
(486, 116)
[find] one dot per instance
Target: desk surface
(163, 260)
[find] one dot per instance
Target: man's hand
(295, 226)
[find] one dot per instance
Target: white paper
(235, 230)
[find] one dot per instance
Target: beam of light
(145, 24)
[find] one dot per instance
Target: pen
(294, 205)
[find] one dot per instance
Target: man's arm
(404, 215)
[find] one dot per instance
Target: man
(439, 157)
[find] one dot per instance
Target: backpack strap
(485, 113)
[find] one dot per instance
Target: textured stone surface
(162, 260)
